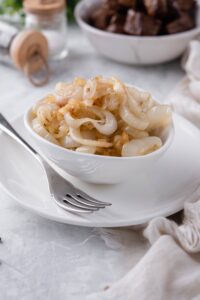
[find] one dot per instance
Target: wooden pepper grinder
(27, 50)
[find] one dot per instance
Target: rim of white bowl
(163, 148)
(83, 23)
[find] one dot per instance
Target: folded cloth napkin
(185, 98)
(170, 269)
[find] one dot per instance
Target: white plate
(175, 178)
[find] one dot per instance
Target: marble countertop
(42, 259)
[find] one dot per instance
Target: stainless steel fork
(65, 195)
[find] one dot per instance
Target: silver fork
(65, 195)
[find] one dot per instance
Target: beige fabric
(166, 272)
(170, 269)
(185, 98)
(184, 103)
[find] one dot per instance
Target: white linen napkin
(170, 269)
(185, 98)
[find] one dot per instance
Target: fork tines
(81, 202)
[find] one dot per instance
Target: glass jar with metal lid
(49, 16)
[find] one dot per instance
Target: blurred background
(12, 10)
(33, 33)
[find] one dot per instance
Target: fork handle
(7, 128)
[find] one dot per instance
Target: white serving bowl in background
(97, 168)
(140, 50)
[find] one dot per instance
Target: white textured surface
(42, 259)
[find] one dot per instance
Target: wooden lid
(43, 6)
(25, 45)
(29, 52)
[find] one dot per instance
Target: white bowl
(133, 49)
(97, 168)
